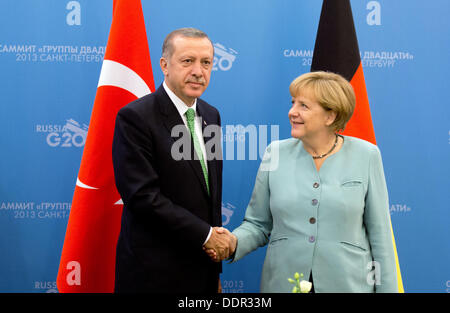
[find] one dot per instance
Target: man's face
(188, 70)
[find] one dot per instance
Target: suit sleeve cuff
(209, 235)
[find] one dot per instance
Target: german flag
(336, 50)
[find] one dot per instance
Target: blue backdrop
(50, 59)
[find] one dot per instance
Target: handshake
(221, 245)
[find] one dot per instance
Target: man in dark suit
(172, 192)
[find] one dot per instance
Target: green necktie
(190, 114)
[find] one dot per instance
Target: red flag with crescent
(88, 256)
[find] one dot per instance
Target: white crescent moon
(118, 75)
(83, 185)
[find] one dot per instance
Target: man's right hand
(221, 244)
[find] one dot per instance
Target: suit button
(316, 185)
(312, 239)
(314, 202)
(312, 220)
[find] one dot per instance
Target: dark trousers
(311, 281)
(213, 284)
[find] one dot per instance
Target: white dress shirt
(182, 108)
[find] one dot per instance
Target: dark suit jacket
(167, 211)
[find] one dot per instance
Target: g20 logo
(223, 57)
(227, 212)
(73, 134)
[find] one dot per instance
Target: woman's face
(308, 117)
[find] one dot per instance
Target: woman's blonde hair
(332, 91)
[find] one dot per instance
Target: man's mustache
(196, 81)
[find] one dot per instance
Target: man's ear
(163, 64)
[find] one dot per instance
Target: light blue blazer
(334, 222)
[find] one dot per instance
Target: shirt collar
(179, 104)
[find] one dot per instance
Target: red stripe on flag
(360, 125)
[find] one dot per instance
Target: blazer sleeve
(378, 224)
(254, 232)
(138, 183)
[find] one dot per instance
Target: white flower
(300, 286)
(305, 286)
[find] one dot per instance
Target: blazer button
(314, 202)
(316, 185)
(312, 239)
(312, 220)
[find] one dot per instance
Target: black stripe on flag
(336, 49)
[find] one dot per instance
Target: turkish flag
(336, 50)
(88, 256)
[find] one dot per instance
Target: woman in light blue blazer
(320, 200)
